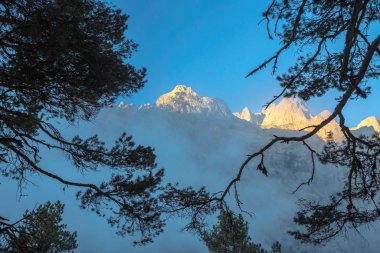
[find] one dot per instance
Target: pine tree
(230, 235)
(41, 230)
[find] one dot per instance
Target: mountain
(244, 115)
(369, 122)
(289, 114)
(332, 127)
(292, 114)
(247, 115)
(125, 105)
(146, 106)
(183, 99)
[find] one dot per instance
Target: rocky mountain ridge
(183, 99)
(293, 114)
(289, 114)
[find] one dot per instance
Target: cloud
(195, 150)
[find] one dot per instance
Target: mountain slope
(332, 127)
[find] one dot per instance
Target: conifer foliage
(230, 235)
(40, 230)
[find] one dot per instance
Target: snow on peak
(146, 106)
(183, 88)
(183, 99)
(294, 104)
(324, 114)
(125, 105)
(247, 115)
(290, 113)
(369, 122)
(244, 115)
(293, 114)
(332, 127)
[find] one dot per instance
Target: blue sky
(210, 46)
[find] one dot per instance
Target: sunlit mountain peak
(324, 114)
(183, 99)
(290, 113)
(371, 121)
(244, 115)
(183, 88)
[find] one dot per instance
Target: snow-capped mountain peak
(183, 88)
(244, 115)
(125, 105)
(369, 122)
(146, 106)
(247, 115)
(183, 99)
(293, 114)
(333, 127)
(290, 113)
(294, 104)
(324, 114)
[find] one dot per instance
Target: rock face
(183, 99)
(369, 122)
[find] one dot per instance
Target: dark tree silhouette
(39, 230)
(66, 59)
(230, 235)
(338, 45)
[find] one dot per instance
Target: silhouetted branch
(323, 23)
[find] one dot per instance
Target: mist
(195, 150)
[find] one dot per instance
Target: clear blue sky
(211, 45)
